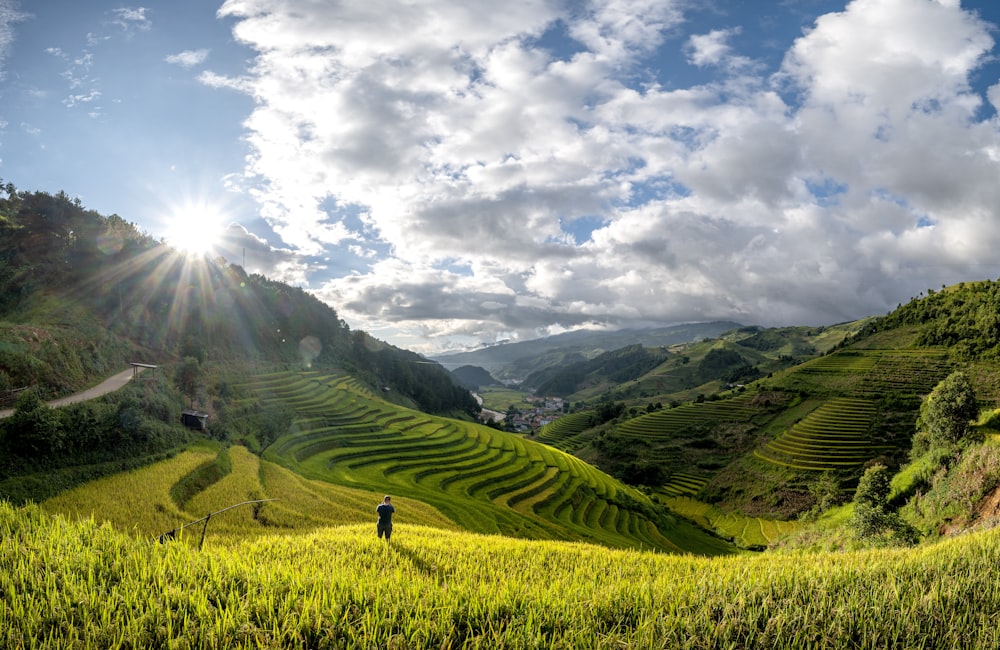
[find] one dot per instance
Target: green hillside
(82, 295)
(755, 419)
(732, 433)
(791, 441)
(483, 479)
(208, 477)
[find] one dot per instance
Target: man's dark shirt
(385, 511)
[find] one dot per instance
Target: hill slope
(773, 446)
(81, 295)
(483, 479)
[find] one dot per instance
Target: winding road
(109, 385)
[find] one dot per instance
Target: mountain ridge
(507, 360)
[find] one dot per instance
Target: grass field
(81, 585)
(497, 398)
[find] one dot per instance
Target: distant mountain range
(515, 361)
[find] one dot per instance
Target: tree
(188, 377)
(34, 428)
(946, 413)
(874, 519)
(826, 491)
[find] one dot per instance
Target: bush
(34, 428)
(874, 521)
(947, 412)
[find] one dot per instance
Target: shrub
(948, 410)
(874, 521)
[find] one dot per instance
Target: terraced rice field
(299, 505)
(658, 424)
(875, 373)
(484, 480)
(566, 433)
(834, 436)
(747, 532)
(665, 437)
(683, 484)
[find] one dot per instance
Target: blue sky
(450, 174)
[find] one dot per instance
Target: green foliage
(949, 410)
(188, 377)
(34, 428)
(84, 292)
(615, 367)
(722, 363)
(952, 497)
(80, 441)
(874, 520)
(873, 488)
(965, 318)
(826, 491)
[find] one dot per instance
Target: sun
(194, 229)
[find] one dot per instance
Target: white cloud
(713, 49)
(131, 19)
(800, 197)
(188, 58)
(9, 17)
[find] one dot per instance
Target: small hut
(194, 419)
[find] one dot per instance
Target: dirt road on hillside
(109, 385)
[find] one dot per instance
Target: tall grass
(84, 585)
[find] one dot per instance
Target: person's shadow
(420, 563)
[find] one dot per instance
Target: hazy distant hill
(473, 377)
(518, 360)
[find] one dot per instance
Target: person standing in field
(385, 511)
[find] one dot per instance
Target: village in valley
(532, 414)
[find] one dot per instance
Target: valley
(712, 488)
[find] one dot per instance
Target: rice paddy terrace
(484, 480)
(675, 438)
(836, 427)
(569, 432)
(208, 478)
(834, 436)
(835, 413)
(872, 374)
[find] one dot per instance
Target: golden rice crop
(136, 500)
(139, 501)
(80, 584)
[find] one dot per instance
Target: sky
(453, 174)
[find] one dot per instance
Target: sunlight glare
(194, 229)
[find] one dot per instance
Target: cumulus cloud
(713, 49)
(451, 135)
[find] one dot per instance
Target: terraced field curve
(834, 436)
(485, 480)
